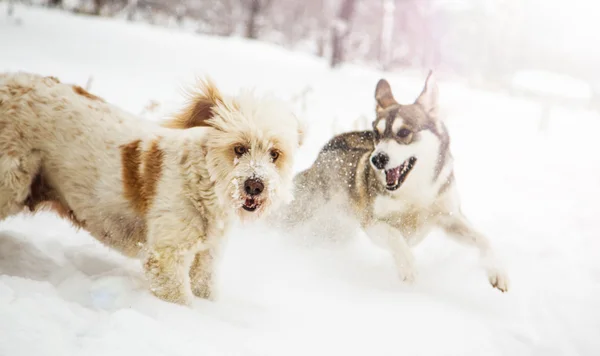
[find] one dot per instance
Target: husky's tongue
(392, 176)
(250, 203)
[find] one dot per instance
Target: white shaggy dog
(166, 194)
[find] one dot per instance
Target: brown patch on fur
(25, 90)
(42, 196)
(140, 187)
(152, 170)
(54, 79)
(199, 108)
(130, 161)
(184, 157)
(79, 90)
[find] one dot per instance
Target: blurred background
(543, 49)
(519, 88)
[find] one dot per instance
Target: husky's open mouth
(396, 176)
(251, 204)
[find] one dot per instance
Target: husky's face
(406, 136)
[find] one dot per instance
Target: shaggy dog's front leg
(202, 274)
(170, 253)
(166, 268)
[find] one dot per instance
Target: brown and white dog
(164, 193)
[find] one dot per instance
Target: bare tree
(10, 9)
(131, 8)
(218, 17)
(98, 4)
(55, 3)
(255, 10)
(387, 30)
(340, 31)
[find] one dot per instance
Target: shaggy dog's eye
(404, 133)
(240, 150)
(274, 155)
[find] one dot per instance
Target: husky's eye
(240, 150)
(376, 135)
(404, 133)
(274, 155)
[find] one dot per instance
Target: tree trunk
(387, 31)
(131, 9)
(340, 31)
(55, 3)
(97, 7)
(254, 10)
(10, 9)
(321, 45)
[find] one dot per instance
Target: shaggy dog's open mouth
(251, 204)
(396, 176)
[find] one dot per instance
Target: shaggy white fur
(165, 194)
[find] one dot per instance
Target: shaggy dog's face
(251, 159)
(250, 144)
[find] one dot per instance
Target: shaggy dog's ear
(199, 108)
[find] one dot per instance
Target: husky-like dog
(396, 180)
(164, 193)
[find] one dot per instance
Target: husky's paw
(498, 280)
(407, 275)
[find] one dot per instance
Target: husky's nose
(380, 160)
(253, 186)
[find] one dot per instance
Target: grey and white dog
(396, 181)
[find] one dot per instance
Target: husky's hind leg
(461, 230)
(16, 175)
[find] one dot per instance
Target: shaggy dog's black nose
(380, 160)
(253, 186)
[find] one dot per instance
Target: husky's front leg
(391, 238)
(461, 230)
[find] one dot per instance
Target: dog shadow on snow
(80, 274)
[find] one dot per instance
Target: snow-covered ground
(536, 195)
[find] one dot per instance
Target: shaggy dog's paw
(172, 296)
(499, 280)
(204, 291)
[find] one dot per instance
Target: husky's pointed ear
(383, 95)
(428, 98)
(201, 103)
